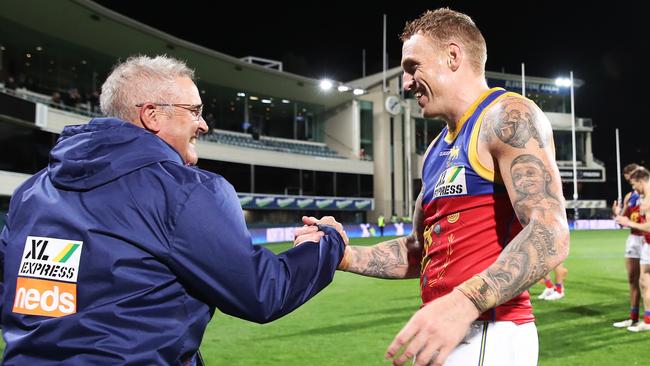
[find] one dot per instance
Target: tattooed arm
(519, 138)
(397, 258)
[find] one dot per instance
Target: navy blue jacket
(118, 254)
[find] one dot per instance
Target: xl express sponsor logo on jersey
(55, 264)
(451, 182)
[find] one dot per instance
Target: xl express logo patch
(55, 264)
(451, 182)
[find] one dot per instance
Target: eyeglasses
(195, 109)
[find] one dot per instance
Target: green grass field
(353, 320)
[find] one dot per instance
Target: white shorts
(645, 254)
(633, 246)
(497, 344)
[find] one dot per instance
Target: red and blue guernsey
(632, 211)
(469, 218)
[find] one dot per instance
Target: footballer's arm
(625, 221)
(519, 138)
(393, 259)
(397, 258)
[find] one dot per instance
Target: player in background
(640, 180)
(554, 291)
(633, 246)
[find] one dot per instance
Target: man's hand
(327, 220)
(307, 233)
(623, 221)
(434, 331)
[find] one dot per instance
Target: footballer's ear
(454, 56)
(150, 117)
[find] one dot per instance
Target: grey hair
(141, 79)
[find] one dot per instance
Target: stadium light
(266, 101)
(240, 94)
(343, 88)
(326, 84)
(358, 91)
(285, 101)
(565, 82)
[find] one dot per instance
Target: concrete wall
(236, 154)
(389, 189)
(9, 181)
(342, 130)
(56, 119)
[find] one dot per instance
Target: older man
(119, 252)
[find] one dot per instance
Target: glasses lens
(198, 112)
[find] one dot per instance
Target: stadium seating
(218, 136)
(270, 143)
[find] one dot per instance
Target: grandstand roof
(91, 26)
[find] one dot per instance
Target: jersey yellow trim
(451, 135)
(433, 142)
(485, 173)
(424, 160)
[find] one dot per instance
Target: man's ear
(455, 56)
(150, 117)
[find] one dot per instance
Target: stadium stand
(270, 143)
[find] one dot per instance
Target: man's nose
(203, 126)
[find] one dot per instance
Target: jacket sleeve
(4, 240)
(212, 253)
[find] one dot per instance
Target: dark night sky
(606, 47)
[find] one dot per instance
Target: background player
(633, 246)
(640, 180)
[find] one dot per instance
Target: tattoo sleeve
(384, 260)
(534, 187)
(397, 258)
(521, 264)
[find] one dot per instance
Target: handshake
(310, 231)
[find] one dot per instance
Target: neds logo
(42, 297)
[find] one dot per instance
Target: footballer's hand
(307, 233)
(327, 220)
(623, 221)
(433, 331)
(616, 209)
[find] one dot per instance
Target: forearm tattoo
(524, 261)
(515, 124)
(521, 264)
(385, 260)
(533, 252)
(479, 293)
